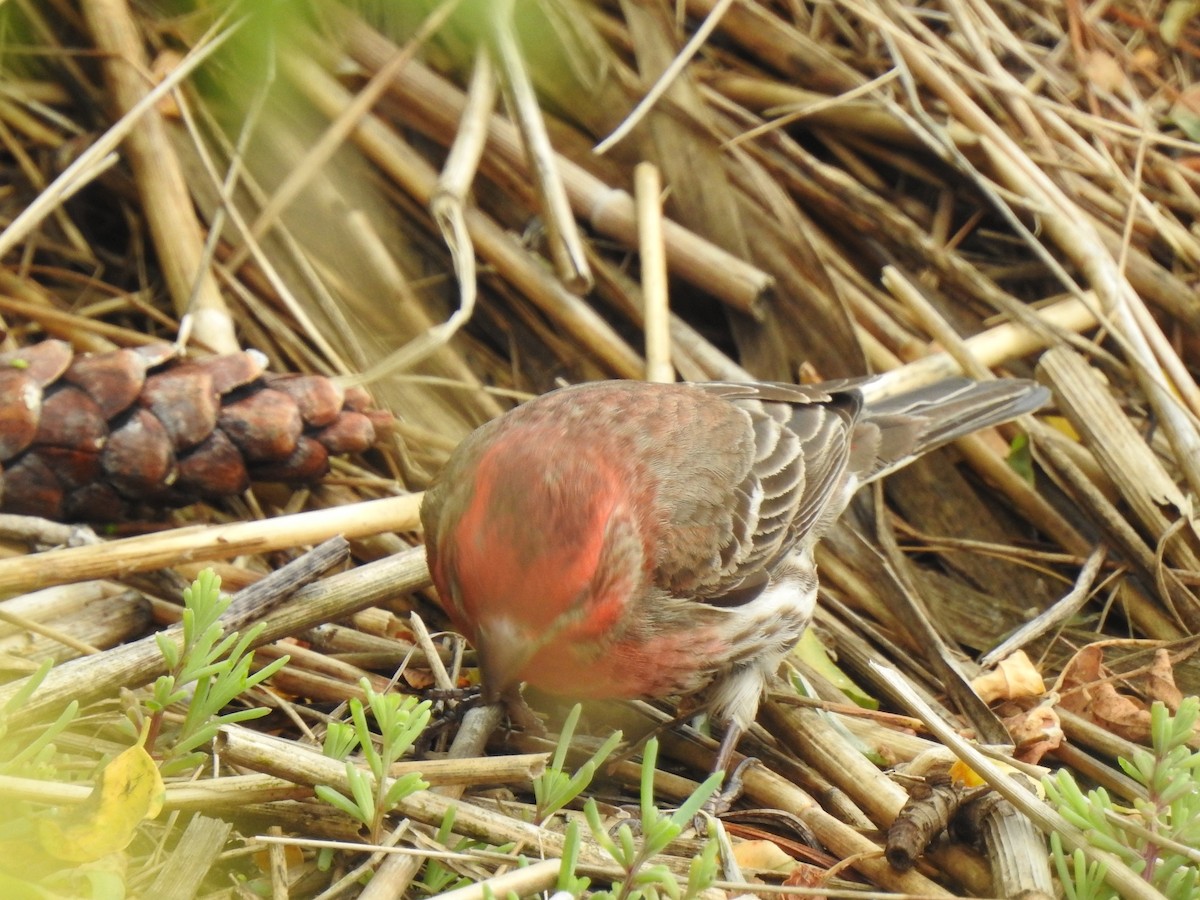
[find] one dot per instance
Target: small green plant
(373, 794)
(643, 881)
(28, 751)
(568, 882)
(1158, 836)
(204, 675)
(32, 757)
(554, 788)
(436, 876)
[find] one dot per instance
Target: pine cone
(93, 436)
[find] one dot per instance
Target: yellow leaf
(760, 854)
(1175, 19)
(1061, 424)
(964, 776)
(128, 791)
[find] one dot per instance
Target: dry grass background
(413, 191)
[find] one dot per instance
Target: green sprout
(373, 794)
(554, 788)
(205, 674)
(644, 881)
(1158, 836)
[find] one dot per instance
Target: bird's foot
(731, 786)
(730, 791)
(520, 714)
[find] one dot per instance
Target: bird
(626, 539)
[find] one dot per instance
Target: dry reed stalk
(164, 193)
(140, 662)
(435, 105)
(1118, 875)
(93, 626)
(154, 551)
(768, 789)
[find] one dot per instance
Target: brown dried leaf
(1119, 713)
(1083, 669)
(1160, 681)
(1013, 678)
(1035, 732)
(1104, 71)
(1085, 691)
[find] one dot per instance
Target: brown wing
(809, 448)
(794, 442)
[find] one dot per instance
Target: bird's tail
(899, 429)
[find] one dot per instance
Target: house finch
(624, 539)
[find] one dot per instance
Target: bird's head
(537, 553)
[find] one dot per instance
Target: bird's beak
(504, 648)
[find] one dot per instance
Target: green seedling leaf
(335, 799)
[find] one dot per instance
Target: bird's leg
(733, 734)
(520, 714)
(731, 786)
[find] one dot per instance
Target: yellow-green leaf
(128, 790)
